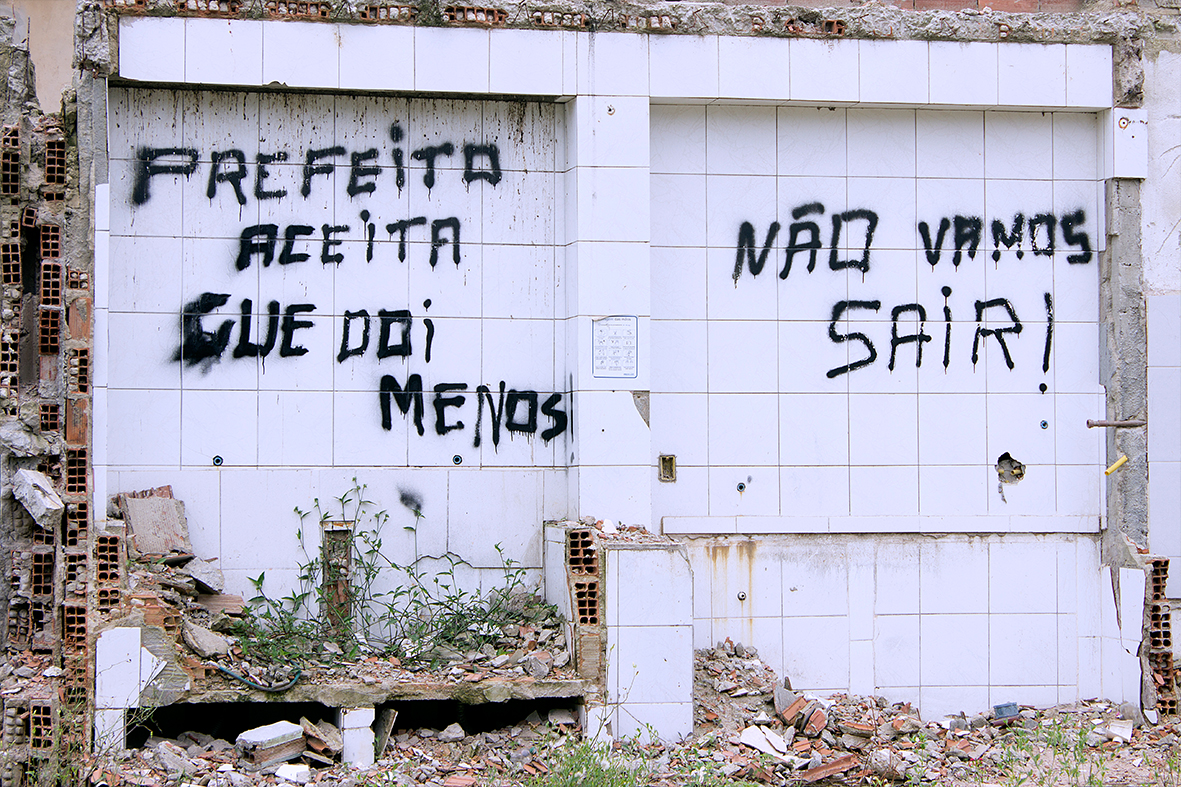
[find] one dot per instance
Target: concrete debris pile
(610, 530)
(287, 753)
(768, 732)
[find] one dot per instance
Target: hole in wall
(225, 720)
(1008, 469)
(484, 717)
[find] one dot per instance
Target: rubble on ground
(750, 727)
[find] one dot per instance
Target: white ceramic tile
(610, 430)
(612, 64)
(1075, 443)
(1126, 144)
(861, 667)
(814, 429)
(149, 431)
(680, 427)
(883, 491)
(525, 62)
(1076, 360)
(807, 354)
(1068, 651)
(659, 576)
(954, 490)
(1164, 329)
(219, 423)
(152, 49)
(824, 70)
(953, 649)
(949, 144)
(742, 356)
(753, 68)
(142, 350)
(678, 284)
(688, 496)
(812, 141)
(882, 142)
(744, 297)
(264, 496)
(116, 669)
(1043, 696)
(896, 650)
(814, 491)
(376, 57)
(145, 276)
(1076, 146)
(1088, 75)
(683, 66)
(882, 429)
(679, 356)
(1018, 145)
(963, 73)
(741, 140)
(935, 702)
(952, 429)
(757, 497)
(301, 54)
(1022, 577)
(612, 204)
(451, 60)
(816, 652)
(893, 72)
(613, 279)
(1080, 490)
(674, 720)
(815, 581)
(296, 427)
(474, 531)
(161, 212)
(624, 494)
(743, 430)
(733, 200)
(678, 210)
(954, 576)
(1014, 427)
(1164, 507)
(896, 584)
(610, 131)
(223, 51)
(677, 139)
(652, 663)
(893, 201)
(1032, 75)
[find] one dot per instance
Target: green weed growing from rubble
(425, 613)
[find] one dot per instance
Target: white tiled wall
(1164, 429)
(751, 360)
(626, 200)
(954, 623)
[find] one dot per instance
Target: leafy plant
(425, 615)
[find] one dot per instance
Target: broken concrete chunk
(535, 667)
(453, 733)
(562, 716)
(887, 764)
(21, 440)
(208, 577)
(35, 492)
(275, 743)
(157, 525)
(299, 774)
(1118, 730)
(204, 642)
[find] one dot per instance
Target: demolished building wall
(647, 368)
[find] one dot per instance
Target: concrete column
(356, 727)
(608, 303)
(1124, 370)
